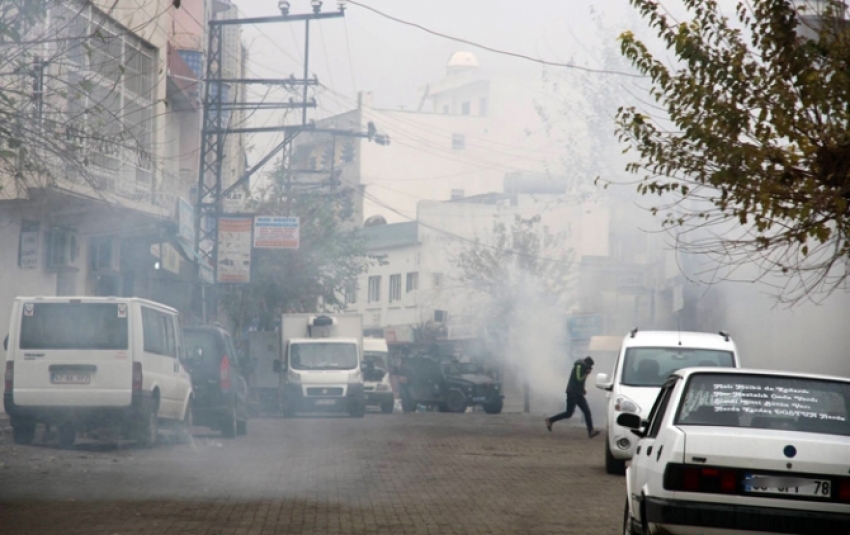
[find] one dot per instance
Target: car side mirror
(630, 420)
(276, 366)
(603, 382)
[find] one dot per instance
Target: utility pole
(211, 192)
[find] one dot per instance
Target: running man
(575, 396)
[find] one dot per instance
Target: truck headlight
(293, 377)
(624, 404)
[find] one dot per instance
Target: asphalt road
(402, 473)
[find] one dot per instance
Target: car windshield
(201, 345)
(87, 326)
(767, 402)
(650, 366)
(323, 356)
(378, 358)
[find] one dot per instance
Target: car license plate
(325, 402)
(784, 486)
(70, 378)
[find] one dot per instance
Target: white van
(645, 361)
(376, 374)
(83, 363)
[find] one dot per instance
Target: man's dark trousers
(574, 400)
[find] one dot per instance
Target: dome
(463, 60)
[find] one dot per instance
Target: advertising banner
(234, 250)
(276, 232)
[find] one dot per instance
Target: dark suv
(220, 390)
(449, 386)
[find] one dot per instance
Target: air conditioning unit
(62, 250)
(105, 255)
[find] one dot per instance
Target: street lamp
(317, 5)
(283, 5)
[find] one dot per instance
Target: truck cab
(320, 370)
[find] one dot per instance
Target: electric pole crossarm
(281, 18)
(268, 105)
(271, 81)
(290, 128)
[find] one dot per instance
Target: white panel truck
(320, 365)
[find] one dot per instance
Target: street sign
(276, 232)
(233, 265)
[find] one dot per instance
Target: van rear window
(74, 326)
(650, 366)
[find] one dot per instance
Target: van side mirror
(603, 382)
(276, 366)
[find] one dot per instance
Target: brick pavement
(424, 473)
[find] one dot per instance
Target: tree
(311, 278)
(514, 269)
(749, 145)
(75, 101)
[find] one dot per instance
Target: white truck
(320, 364)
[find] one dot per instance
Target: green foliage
(753, 141)
(304, 280)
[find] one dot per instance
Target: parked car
(218, 379)
(449, 386)
(85, 363)
(646, 359)
(741, 451)
(376, 374)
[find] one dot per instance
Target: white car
(646, 359)
(741, 451)
(86, 363)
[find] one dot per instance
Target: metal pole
(306, 67)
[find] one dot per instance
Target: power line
(492, 49)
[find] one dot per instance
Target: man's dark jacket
(577, 377)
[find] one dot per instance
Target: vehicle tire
(67, 436)
(456, 401)
(23, 434)
(242, 428)
(387, 407)
(184, 433)
(407, 403)
(228, 423)
(493, 407)
(613, 465)
(147, 428)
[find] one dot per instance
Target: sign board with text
(234, 250)
(276, 232)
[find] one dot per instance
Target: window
(323, 356)
(412, 282)
(766, 402)
(159, 333)
(375, 289)
(395, 288)
(657, 414)
(465, 108)
(482, 107)
(458, 141)
(437, 280)
(351, 292)
(85, 326)
(650, 366)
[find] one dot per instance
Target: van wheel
(456, 401)
(228, 423)
(148, 428)
(23, 434)
(67, 436)
(184, 434)
(407, 404)
(613, 465)
(242, 428)
(387, 407)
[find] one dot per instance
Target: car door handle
(649, 451)
(638, 450)
(658, 455)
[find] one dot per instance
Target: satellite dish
(374, 221)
